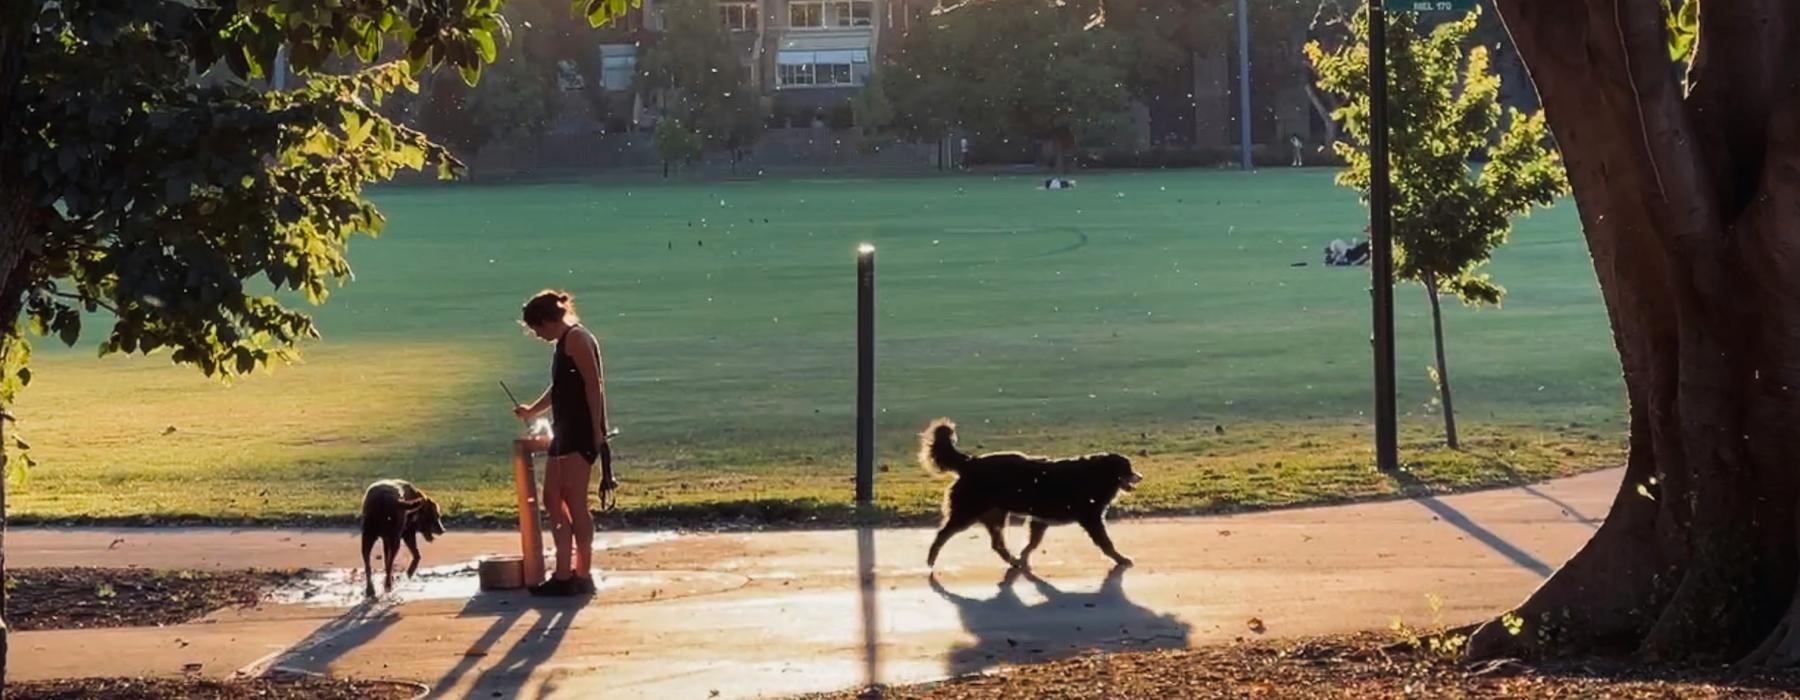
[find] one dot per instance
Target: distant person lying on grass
(579, 431)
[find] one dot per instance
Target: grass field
(1143, 312)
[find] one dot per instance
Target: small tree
(1448, 217)
(676, 143)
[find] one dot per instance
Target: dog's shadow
(1008, 630)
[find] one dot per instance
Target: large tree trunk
(1691, 208)
(1443, 367)
(16, 223)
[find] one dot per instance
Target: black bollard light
(865, 374)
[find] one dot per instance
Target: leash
(609, 487)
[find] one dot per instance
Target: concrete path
(749, 615)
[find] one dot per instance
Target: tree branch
(85, 299)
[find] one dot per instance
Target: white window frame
(817, 6)
(614, 58)
(740, 16)
(843, 13)
(839, 68)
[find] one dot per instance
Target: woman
(579, 431)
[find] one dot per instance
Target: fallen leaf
(1256, 625)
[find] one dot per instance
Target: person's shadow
(1010, 631)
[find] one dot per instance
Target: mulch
(1360, 666)
(281, 687)
(86, 598)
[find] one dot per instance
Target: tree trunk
(1443, 368)
(1691, 208)
(1318, 105)
(16, 223)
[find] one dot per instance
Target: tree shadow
(1456, 518)
(1010, 631)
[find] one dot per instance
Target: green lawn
(1140, 313)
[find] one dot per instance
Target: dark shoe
(584, 585)
(554, 587)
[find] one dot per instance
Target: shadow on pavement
(335, 639)
(510, 675)
(1456, 518)
(1009, 630)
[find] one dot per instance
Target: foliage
(677, 143)
(1684, 28)
(700, 77)
(519, 96)
(1444, 105)
(872, 109)
(1005, 67)
(1436, 638)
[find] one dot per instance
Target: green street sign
(1429, 5)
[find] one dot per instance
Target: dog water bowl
(502, 573)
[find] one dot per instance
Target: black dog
(394, 511)
(1050, 492)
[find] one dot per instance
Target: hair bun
(563, 297)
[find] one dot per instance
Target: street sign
(1430, 5)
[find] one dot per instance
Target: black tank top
(572, 419)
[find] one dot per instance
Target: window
(853, 13)
(845, 68)
(806, 14)
(739, 16)
(618, 66)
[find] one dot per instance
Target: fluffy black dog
(1049, 492)
(394, 511)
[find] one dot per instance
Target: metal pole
(1243, 18)
(1380, 242)
(865, 374)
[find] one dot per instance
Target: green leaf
(70, 330)
(484, 45)
(356, 128)
(1684, 29)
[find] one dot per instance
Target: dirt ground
(1359, 666)
(86, 598)
(285, 687)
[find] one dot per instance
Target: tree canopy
(1034, 68)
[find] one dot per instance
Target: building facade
(806, 58)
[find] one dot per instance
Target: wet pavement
(768, 614)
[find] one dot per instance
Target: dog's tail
(937, 448)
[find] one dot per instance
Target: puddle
(343, 588)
